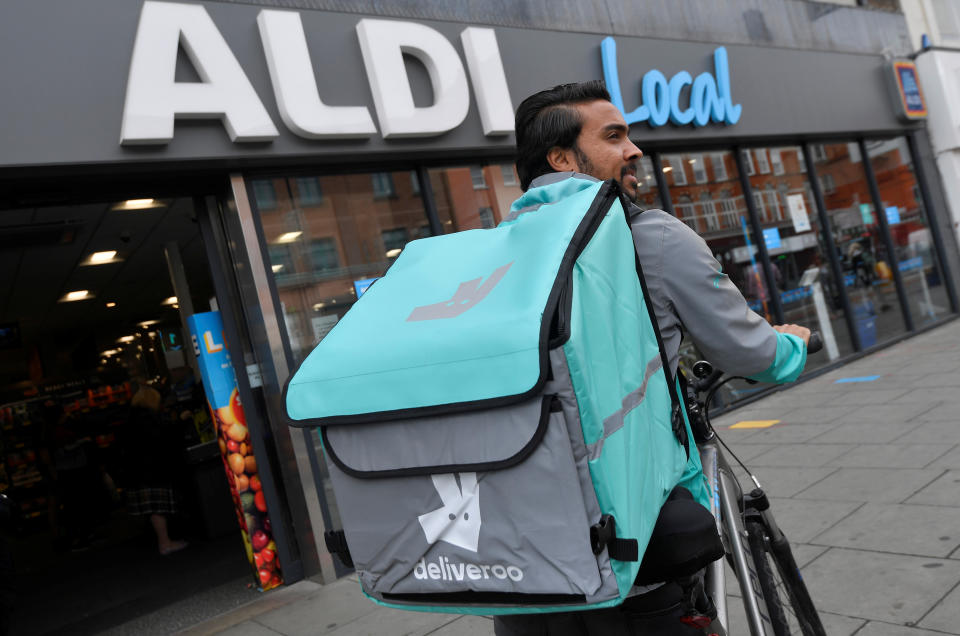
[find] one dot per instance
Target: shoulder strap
(676, 415)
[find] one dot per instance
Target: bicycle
(775, 598)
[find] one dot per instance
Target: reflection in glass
(327, 238)
(327, 234)
(707, 195)
(797, 248)
(648, 194)
(860, 248)
(909, 229)
(474, 197)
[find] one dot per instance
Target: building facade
(312, 140)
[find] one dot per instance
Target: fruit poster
(236, 449)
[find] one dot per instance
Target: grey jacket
(691, 294)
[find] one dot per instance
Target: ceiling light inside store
(319, 306)
(394, 252)
(691, 161)
(101, 258)
(147, 323)
(667, 168)
(276, 268)
(111, 305)
(138, 204)
(80, 294)
(289, 237)
(172, 300)
(126, 339)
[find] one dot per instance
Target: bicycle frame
(724, 506)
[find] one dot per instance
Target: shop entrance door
(123, 511)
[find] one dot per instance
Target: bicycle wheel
(788, 602)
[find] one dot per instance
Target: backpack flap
(458, 322)
(476, 512)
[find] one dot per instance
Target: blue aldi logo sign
(910, 99)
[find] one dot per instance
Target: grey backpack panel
(514, 557)
(422, 445)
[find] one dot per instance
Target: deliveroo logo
(467, 295)
(458, 521)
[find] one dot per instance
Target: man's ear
(562, 159)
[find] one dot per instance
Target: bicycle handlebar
(699, 408)
(816, 342)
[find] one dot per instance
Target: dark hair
(547, 119)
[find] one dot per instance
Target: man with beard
(573, 131)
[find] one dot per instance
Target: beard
(585, 166)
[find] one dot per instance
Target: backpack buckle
(336, 542)
(603, 534)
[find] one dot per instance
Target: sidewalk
(865, 481)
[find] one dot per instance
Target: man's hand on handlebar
(796, 330)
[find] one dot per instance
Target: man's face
(603, 149)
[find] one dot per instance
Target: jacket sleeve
(716, 317)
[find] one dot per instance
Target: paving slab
(932, 432)
(863, 433)
(885, 485)
(946, 615)
(837, 625)
(785, 433)
(950, 460)
(891, 455)
(804, 554)
(818, 414)
(788, 481)
(466, 626)
(901, 529)
(945, 491)
(871, 585)
(876, 628)
(867, 398)
(390, 621)
(801, 520)
(940, 379)
(335, 605)
(248, 628)
(747, 451)
(264, 603)
(802, 455)
(947, 412)
(883, 413)
(924, 394)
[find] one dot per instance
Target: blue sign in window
(893, 214)
(362, 285)
(771, 238)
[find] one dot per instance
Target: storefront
(301, 150)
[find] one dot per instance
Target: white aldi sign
(154, 99)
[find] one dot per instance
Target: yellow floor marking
(755, 424)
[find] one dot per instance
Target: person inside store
(573, 130)
(152, 454)
(68, 458)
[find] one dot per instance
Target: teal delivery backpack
(498, 416)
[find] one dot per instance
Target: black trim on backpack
(676, 413)
(469, 597)
(551, 404)
(608, 193)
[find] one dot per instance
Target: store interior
(89, 316)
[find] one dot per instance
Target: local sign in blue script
(708, 98)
